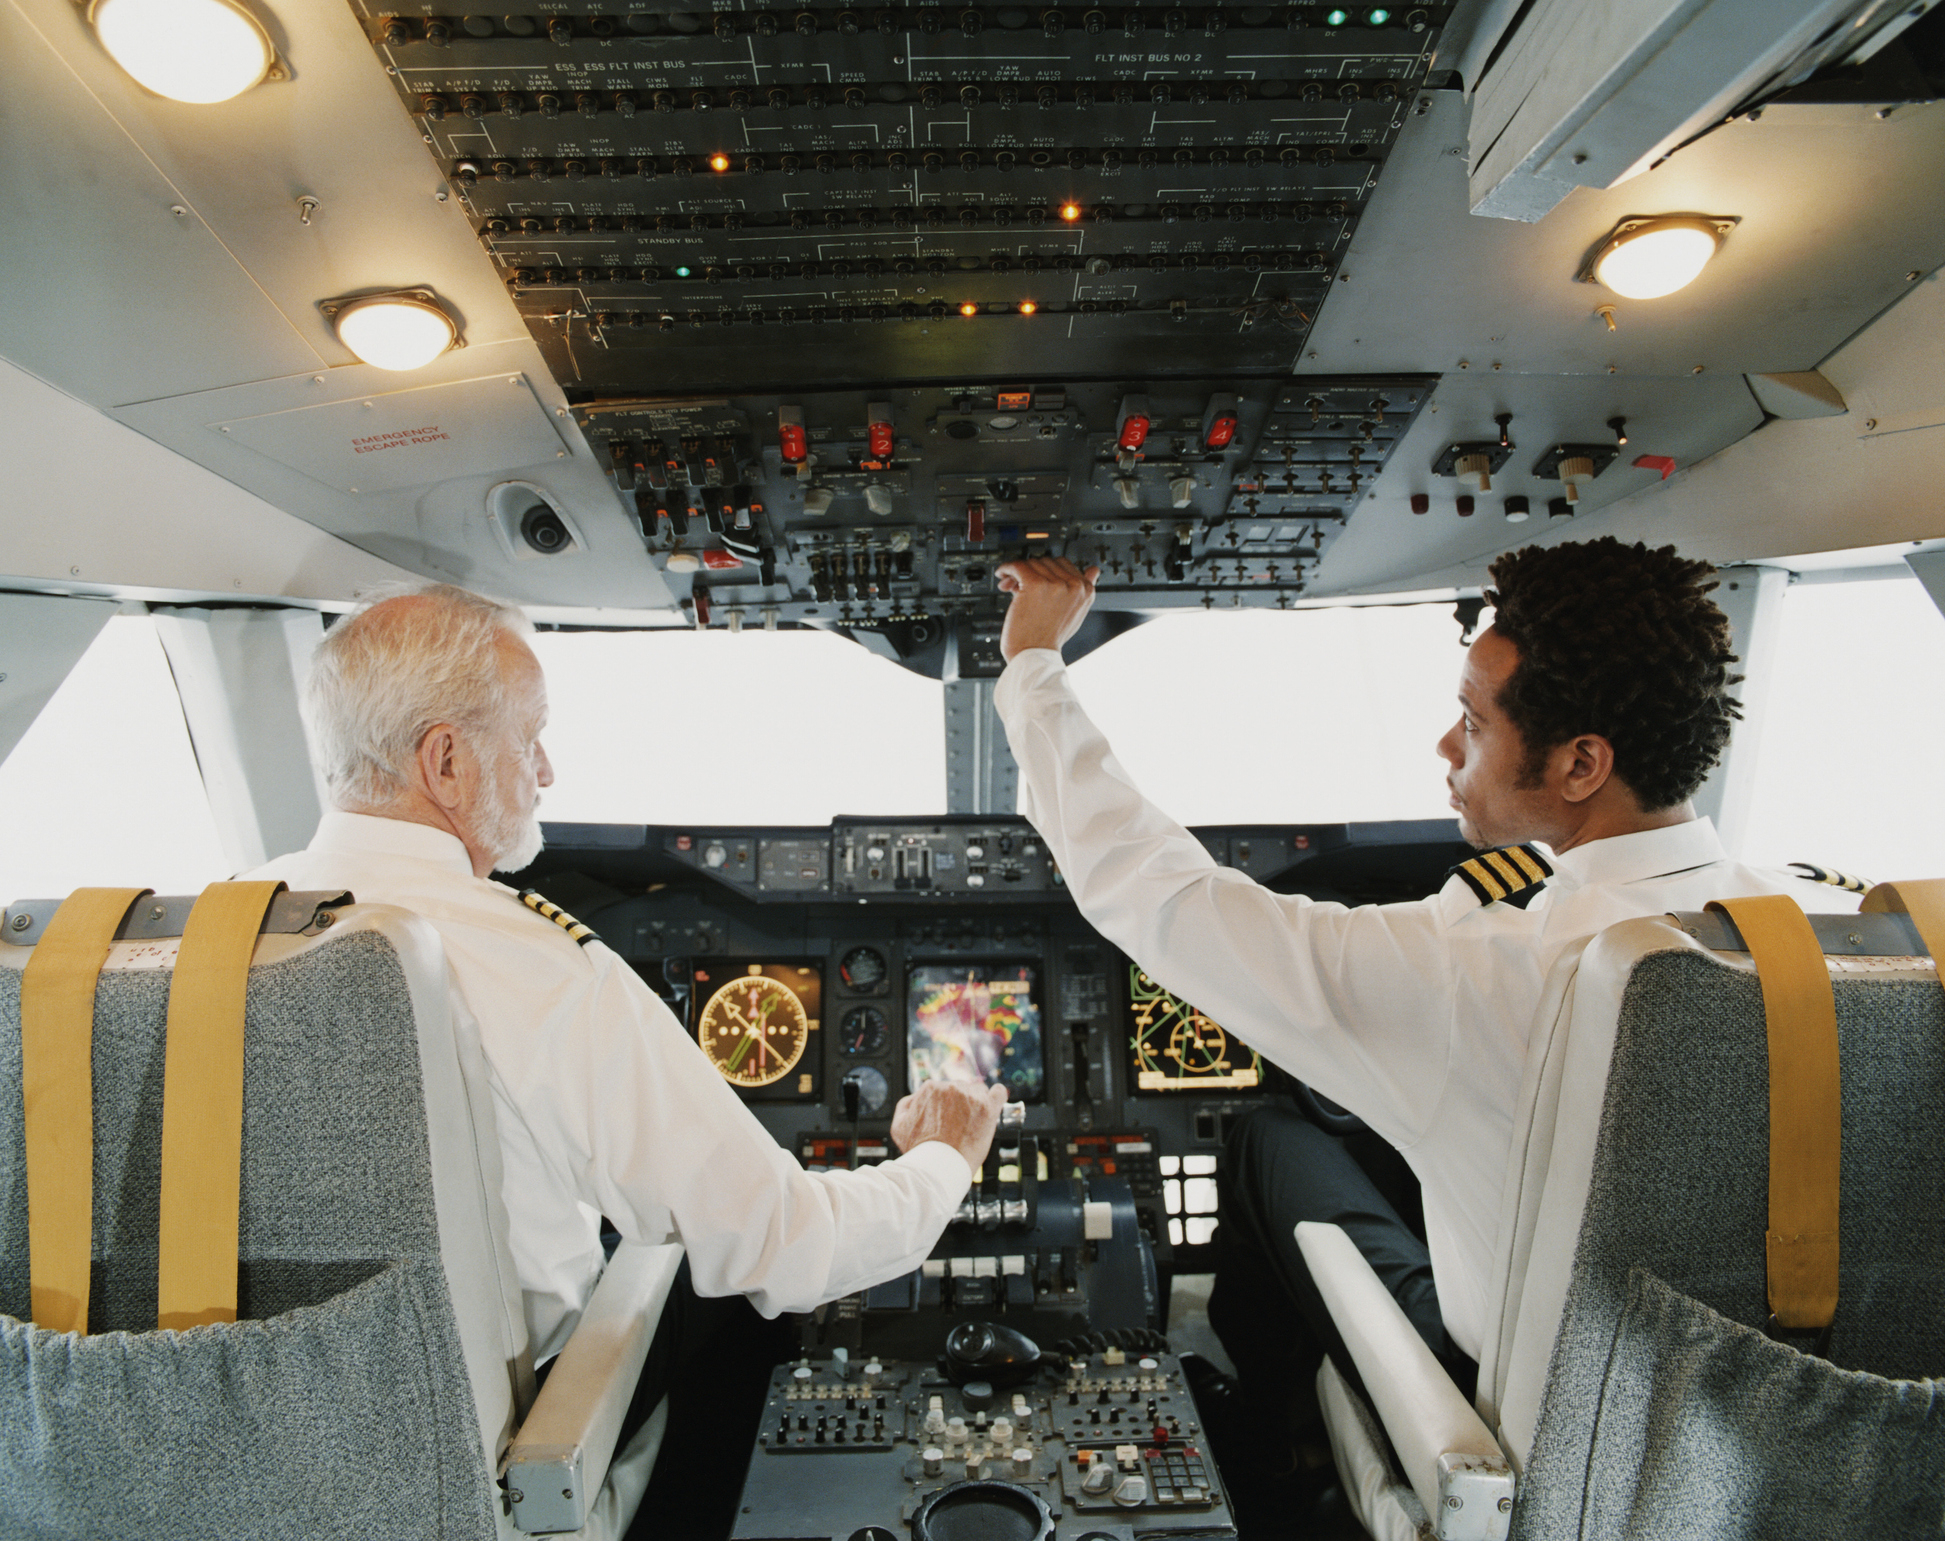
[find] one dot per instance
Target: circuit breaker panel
(686, 200)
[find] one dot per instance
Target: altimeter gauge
(754, 1029)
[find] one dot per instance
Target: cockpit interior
(667, 321)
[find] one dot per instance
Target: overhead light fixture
(188, 50)
(404, 329)
(1646, 257)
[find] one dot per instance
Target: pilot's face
(518, 768)
(1488, 755)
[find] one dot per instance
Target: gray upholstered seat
(1629, 1380)
(379, 1367)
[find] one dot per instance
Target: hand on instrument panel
(1051, 597)
(963, 1114)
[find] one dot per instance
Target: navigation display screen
(1175, 1048)
(976, 1022)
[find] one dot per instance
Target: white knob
(1002, 1431)
(1128, 490)
(1099, 1478)
(877, 498)
(955, 1431)
(935, 1422)
(934, 1459)
(975, 880)
(1023, 1462)
(1180, 490)
(1475, 471)
(715, 856)
(817, 501)
(1131, 1492)
(682, 562)
(975, 853)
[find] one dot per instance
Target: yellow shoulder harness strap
(57, 1029)
(1923, 899)
(1805, 1107)
(202, 1106)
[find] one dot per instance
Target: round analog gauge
(863, 968)
(864, 1031)
(874, 1091)
(754, 1030)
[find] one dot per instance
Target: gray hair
(380, 682)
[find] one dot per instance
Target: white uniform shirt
(1413, 1016)
(606, 1106)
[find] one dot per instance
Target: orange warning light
(719, 162)
(1027, 307)
(1070, 211)
(969, 309)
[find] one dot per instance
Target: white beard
(512, 838)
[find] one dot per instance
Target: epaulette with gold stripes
(540, 904)
(1832, 876)
(1512, 872)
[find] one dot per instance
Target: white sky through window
(1310, 716)
(103, 790)
(1306, 716)
(687, 727)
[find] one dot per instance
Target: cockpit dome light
(198, 51)
(1644, 259)
(405, 330)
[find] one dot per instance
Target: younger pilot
(1591, 710)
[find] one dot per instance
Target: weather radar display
(1176, 1048)
(976, 1022)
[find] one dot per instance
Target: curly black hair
(1620, 641)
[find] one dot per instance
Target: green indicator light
(681, 272)
(1378, 17)
(1336, 18)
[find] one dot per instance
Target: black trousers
(712, 1358)
(1281, 1169)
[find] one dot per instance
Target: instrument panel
(824, 1002)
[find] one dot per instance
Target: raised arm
(1356, 1002)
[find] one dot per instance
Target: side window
(103, 789)
(1851, 766)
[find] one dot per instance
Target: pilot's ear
(439, 767)
(1587, 762)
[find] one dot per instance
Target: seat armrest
(559, 1459)
(1446, 1451)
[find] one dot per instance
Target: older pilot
(426, 708)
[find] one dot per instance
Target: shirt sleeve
(672, 1153)
(1356, 1002)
